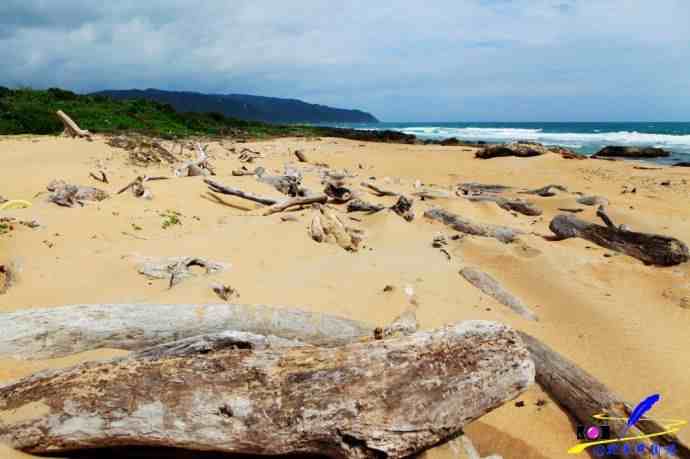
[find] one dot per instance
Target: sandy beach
(621, 320)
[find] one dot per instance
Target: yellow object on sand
(15, 204)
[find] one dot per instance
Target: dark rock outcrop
(682, 164)
(519, 149)
(632, 152)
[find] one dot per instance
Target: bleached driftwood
(546, 191)
(478, 188)
(102, 178)
(138, 188)
(66, 195)
(502, 233)
(378, 191)
(326, 226)
(176, 269)
(289, 183)
(593, 201)
(276, 206)
(430, 193)
(56, 332)
(404, 395)
(200, 166)
(71, 128)
(297, 201)
(220, 188)
(491, 287)
(243, 171)
(652, 249)
(582, 396)
(515, 205)
(248, 156)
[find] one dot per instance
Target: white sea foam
(572, 139)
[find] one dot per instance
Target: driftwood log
(301, 157)
(337, 192)
(297, 201)
(220, 188)
(66, 195)
(275, 205)
(592, 201)
(403, 207)
(478, 188)
(326, 226)
(387, 398)
(511, 205)
(200, 166)
(491, 287)
(378, 191)
(56, 332)
(582, 396)
(357, 205)
(71, 128)
(652, 249)
(100, 178)
(458, 223)
(546, 191)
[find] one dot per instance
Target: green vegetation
(170, 218)
(27, 111)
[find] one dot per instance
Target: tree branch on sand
(275, 205)
(246, 396)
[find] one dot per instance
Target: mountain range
(246, 107)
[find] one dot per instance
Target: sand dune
(624, 322)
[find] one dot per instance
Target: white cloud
(494, 59)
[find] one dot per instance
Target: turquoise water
(582, 137)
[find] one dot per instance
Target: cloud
(463, 60)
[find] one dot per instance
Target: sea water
(585, 138)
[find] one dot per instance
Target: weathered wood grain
(381, 398)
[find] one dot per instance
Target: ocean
(582, 137)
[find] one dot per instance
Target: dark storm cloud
(443, 59)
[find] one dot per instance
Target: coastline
(610, 313)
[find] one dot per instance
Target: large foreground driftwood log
(71, 128)
(387, 398)
(652, 249)
(582, 396)
(458, 223)
(56, 332)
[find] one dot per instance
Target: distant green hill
(28, 111)
(246, 107)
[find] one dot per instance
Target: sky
(401, 60)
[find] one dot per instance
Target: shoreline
(592, 303)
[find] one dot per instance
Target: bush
(61, 94)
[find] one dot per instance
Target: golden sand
(620, 320)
